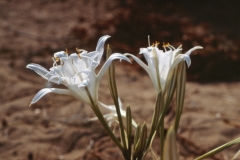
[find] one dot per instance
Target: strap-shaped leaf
(180, 92)
(170, 146)
(136, 136)
(129, 128)
(139, 151)
(114, 94)
(156, 116)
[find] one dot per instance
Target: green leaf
(140, 147)
(180, 92)
(219, 149)
(136, 136)
(170, 146)
(129, 128)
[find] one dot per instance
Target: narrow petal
(38, 69)
(180, 58)
(147, 53)
(109, 61)
(100, 47)
(194, 48)
(185, 57)
(45, 91)
(109, 107)
(150, 70)
(138, 61)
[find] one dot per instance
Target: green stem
(104, 124)
(114, 94)
(157, 111)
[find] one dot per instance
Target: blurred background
(31, 31)
(43, 27)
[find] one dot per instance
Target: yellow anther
(157, 43)
(167, 45)
(66, 51)
(56, 59)
(163, 45)
(79, 51)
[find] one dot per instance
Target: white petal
(180, 58)
(109, 61)
(147, 53)
(68, 69)
(194, 48)
(138, 61)
(109, 107)
(149, 69)
(38, 69)
(100, 47)
(84, 83)
(79, 64)
(45, 91)
(54, 79)
(144, 50)
(60, 54)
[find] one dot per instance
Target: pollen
(56, 59)
(164, 45)
(79, 51)
(157, 43)
(66, 51)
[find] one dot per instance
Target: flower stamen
(164, 46)
(157, 43)
(149, 41)
(79, 51)
(66, 51)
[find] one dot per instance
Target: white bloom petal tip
(100, 46)
(45, 91)
(192, 49)
(180, 47)
(60, 54)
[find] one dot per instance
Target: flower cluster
(166, 69)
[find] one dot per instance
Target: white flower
(76, 72)
(160, 62)
(112, 117)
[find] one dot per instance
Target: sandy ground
(57, 127)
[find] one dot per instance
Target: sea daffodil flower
(161, 63)
(76, 72)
